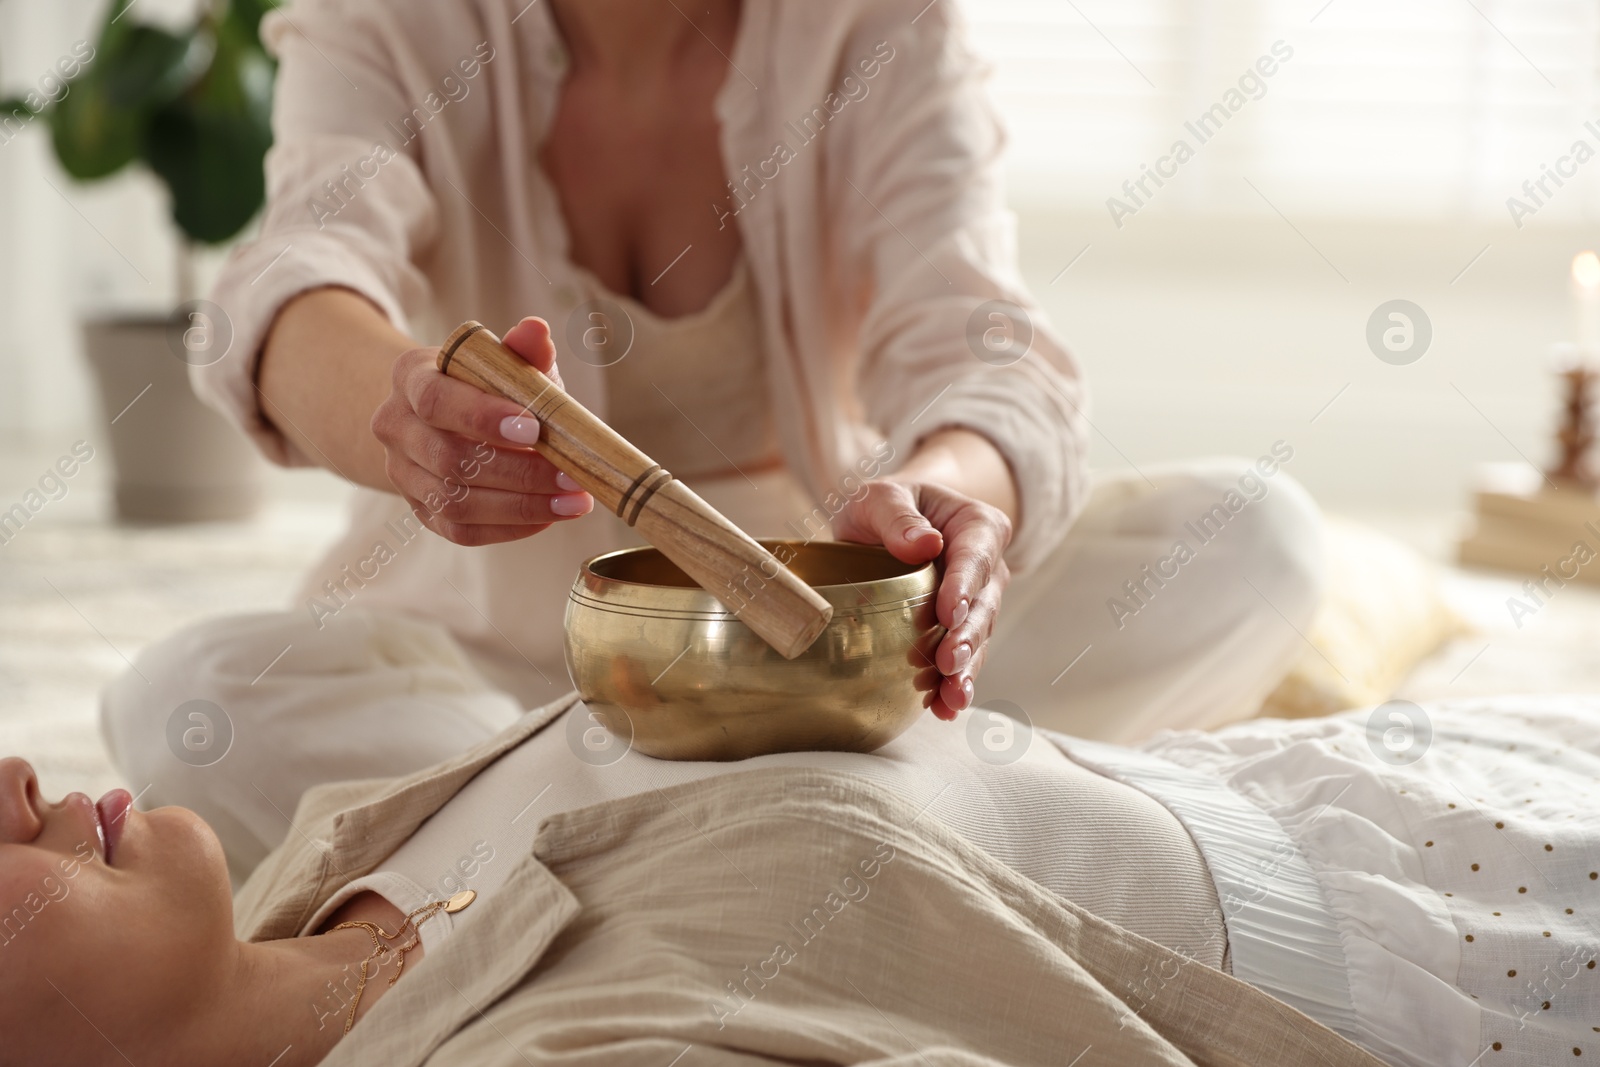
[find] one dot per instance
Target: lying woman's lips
(112, 812)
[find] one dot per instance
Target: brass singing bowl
(661, 663)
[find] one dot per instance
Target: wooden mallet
(749, 581)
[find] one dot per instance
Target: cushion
(1382, 612)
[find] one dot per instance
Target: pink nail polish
(575, 504)
(963, 656)
(564, 480)
(522, 429)
(959, 616)
(966, 690)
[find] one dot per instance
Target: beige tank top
(690, 391)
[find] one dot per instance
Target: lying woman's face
(112, 923)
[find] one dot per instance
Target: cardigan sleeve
(347, 204)
(950, 337)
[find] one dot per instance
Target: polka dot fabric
(1465, 886)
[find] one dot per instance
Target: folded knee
(177, 690)
(1281, 534)
(1258, 516)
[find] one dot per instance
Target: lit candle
(1586, 296)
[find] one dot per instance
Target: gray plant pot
(176, 460)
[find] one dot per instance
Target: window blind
(1435, 109)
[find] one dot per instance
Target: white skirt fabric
(1425, 882)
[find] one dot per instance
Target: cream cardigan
(871, 244)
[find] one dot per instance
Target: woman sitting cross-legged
(974, 892)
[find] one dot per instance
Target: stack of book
(1524, 523)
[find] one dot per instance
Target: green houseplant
(194, 108)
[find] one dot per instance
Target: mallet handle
(749, 581)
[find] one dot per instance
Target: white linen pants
(1114, 638)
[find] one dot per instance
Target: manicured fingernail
(966, 691)
(564, 480)
(573, 504)
(523, 429)
(959, 616)
(963, 656)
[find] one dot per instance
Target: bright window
(1434, 109)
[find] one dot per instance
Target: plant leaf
(247, 15)
(14, 118)
(213, 166)
(210, 144)
(99, 124)
(150, 65)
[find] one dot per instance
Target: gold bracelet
(382, 941)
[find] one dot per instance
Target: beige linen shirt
(791, 917)
(870, 207)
